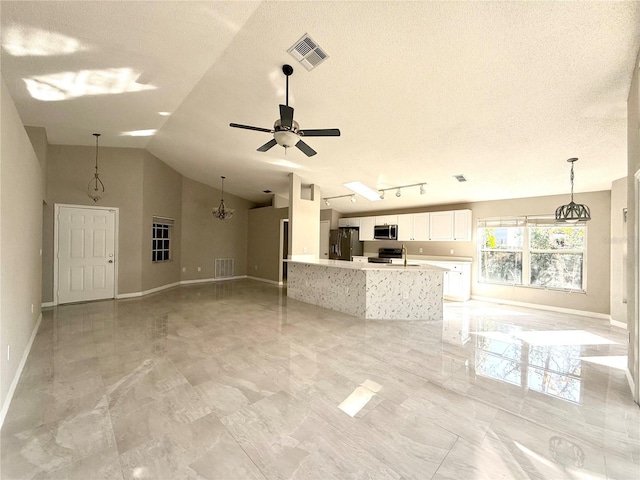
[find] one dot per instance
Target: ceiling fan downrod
(287, 70)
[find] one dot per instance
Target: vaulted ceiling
(502, 92)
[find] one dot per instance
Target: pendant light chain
(95, 190)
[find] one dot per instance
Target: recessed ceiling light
(362, 189)
(139, 133)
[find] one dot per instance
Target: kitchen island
(368, 290)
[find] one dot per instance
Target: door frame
(635, 376)
(56, 214)
(281, 250)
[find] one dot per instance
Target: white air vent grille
(308, 53)
(224, 267)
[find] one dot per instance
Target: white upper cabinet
(462, 225)
(387, 220)
(441, 226)
(366, 228)
(421, 227)
(405, 227)
(413, 227)
(349, 222)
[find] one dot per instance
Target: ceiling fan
(286, 131)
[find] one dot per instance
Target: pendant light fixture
(95, 189)
(222, 212)
(572, 212)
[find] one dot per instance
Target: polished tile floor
(234, 381)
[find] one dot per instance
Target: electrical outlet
(255, 267)
(184, 269)
(199, 269)
(451, 251)
(32, 308)
(420, 250)
(8, 353)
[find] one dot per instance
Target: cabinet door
(387, 220)
(420, 227)
(343, 222)
(354, 222)
(405, 227)
(366, 228)
(441, 226)
(462, 225)
(455, 285)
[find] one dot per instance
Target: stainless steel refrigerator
(344, 244)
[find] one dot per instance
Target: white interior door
(325, 228)
(86, 254)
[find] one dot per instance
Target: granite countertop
(370, 266)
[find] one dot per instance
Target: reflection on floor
(233, 381)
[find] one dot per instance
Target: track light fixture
(351, 196)
(399, 189)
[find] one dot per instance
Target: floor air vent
(224, 267)
(308, 53)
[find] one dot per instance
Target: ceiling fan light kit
(572, 212)
(286, 132)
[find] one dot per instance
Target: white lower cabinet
(457, 280)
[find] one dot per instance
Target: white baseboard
(570, 311)
(617, 323)
(273, 282)
(16, 377)
(209, 280)
(47, 304)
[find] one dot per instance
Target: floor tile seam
(446, 456)
(242, 448)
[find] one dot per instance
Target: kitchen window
(161, 239)
(532, 251)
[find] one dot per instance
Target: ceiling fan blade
(286, 116)
(325, 132)
(267, 145)
(249, 127)
(306, 149)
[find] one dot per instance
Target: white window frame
(164, 223)
(526, 223)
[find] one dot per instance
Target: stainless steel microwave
(385, 232)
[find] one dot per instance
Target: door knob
(110, 261)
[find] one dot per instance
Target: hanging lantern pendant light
(95, 189)
(572, 212)
(222, 212)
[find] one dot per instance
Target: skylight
(362, 189)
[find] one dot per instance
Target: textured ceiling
(502, 92)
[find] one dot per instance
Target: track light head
(398, 193)
(353, 199)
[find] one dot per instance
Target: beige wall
(633, 159)
(597, 262)
(204, 238)
(162, 197)
(38, 137)
(619, 250)
(21, 196)
(304, 219)
(332, 215)
(69, 170)
(264, 242)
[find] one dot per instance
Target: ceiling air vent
(308, 53)
(460, 178)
